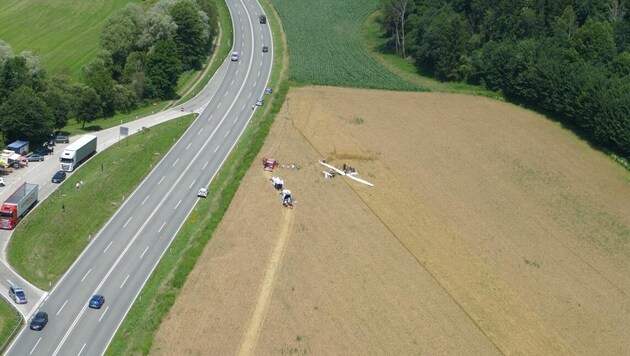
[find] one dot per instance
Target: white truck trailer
(77, 152)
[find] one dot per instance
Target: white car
(2, 184)
(202, 193)
(234, 57)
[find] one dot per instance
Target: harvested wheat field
(490, 230)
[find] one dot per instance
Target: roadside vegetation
(326, 47)
(135, 335)
(41, 251)
(10, 320)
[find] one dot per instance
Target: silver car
(234, 57)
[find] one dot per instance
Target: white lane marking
(105, 312)
(161, 227)
(219, 105)
(204, 166)
(243, 107)
(60, 309)
(86, 274)
(110, 243)
(256, 81)
(161, 180)
(143, 252)
(127, 222)
(191, 184)
(177, 204)
(236, 119)
(187, 147)
(250, 95)
(80, 351)
(216, 149)
(37, 343)
(232, 83)
(11, 283)
(145, 200)
(226, 93)
(235, 74)
(174, 163)
(125, 281)
(227, 133)
(198, 133)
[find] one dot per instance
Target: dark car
(39, 321)
(97, 301)
(265, 49)
(262, 19)
(35, 157)
(45, 150)
(59, 177)
(17, 294)
(62, 139)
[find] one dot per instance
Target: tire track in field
(264, 296)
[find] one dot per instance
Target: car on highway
(39, 321)
(262, 19)
(97, 301)
(234, 57)
(62, 139)
(17, 294)
(202, 193)
(2, 183)
(260, 102)
(59, 177)
(35, 157)
(265, 49)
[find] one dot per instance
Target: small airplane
(349, 175)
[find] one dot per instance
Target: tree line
(570, 58)
(143, 51)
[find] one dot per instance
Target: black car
(35, 157)
(265, 49)
(262, 19)
(59, 177)
(39, 321)
(45, 150)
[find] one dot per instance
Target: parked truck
(17, 205)
(77, 152)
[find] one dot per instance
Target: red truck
(17, 205)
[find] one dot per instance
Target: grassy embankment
(135, 335)
(64, 34)
(10, 320)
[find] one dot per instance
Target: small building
(19, 147)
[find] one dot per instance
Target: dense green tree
(98, 75)
(595, 42)
(125, 98)
(620, 65)
(163, 69)
(191, 35)
(25, 116)
(89, 106)
(158, 26)
(14, 75)
(119, 34)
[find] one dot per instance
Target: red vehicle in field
(17, 205)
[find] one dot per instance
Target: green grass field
(326, 48)
(64, 34)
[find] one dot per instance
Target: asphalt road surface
(120, 259)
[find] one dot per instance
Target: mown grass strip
(51, 237)
(136, 333)
(10, 321)
(325, 45)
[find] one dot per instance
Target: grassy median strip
(9, 323)
(136, 333)
(51, 237)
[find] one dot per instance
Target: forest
(567, 58)
(144, 49)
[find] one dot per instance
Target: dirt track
(490, 230)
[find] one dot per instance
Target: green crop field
(64, 34)
(325, 45)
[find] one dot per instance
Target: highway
(119, 260)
